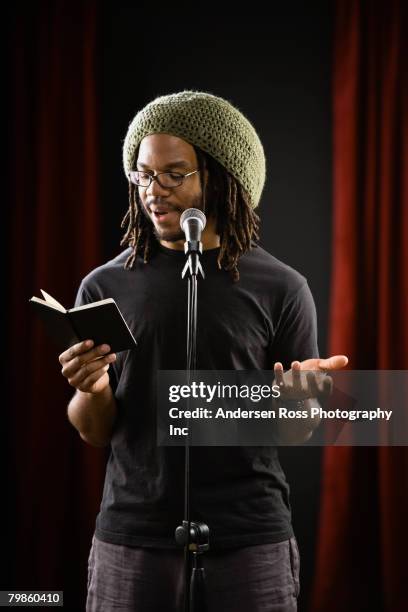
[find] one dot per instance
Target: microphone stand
(193, 536)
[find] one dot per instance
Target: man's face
(163, 206)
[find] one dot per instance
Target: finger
(90, 380)
(313, 387)
(92, 376)
(70, 368)
(295, 366)
(74, 350)
(89, 368)
(278, 369)
(333, 363)
(309, 364)
(327, 385)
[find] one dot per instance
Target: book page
(52, 301)
(93, 304)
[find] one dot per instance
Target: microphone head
(193, 213)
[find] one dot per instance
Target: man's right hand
(86, 367)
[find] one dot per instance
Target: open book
(100, 321)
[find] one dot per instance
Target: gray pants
(260, 578)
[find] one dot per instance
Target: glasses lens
(170, 179)
(140, 178)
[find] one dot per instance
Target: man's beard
(169, 235)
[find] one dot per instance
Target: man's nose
(155, 189)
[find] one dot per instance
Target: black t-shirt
(240, 492)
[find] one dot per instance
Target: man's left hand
(314, 384)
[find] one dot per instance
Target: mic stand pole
(193, 536)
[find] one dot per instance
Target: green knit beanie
(210, 123)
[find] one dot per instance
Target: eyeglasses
(168, 180)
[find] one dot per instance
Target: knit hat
(210, 123)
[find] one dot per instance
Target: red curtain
(55, 241)
(363, 529)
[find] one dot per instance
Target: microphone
(192, 222)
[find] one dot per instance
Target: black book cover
(100, 321)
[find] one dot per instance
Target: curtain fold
(363, 531)
(55, 240)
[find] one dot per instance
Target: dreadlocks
(223, 198)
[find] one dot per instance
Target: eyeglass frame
(153, 177)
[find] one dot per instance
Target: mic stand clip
(193, 249)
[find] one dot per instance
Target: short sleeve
(83, 297)
(295, 337)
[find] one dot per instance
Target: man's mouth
(161, 213)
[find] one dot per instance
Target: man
(191, 149)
